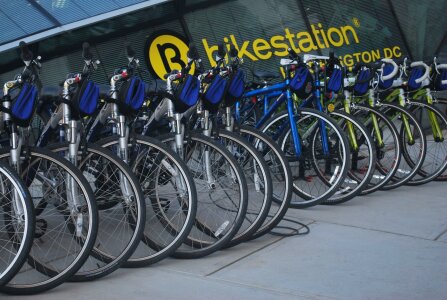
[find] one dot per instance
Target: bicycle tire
(206, 238)
(52, 275)
(121, 209)
(281, 175)
(303, 197)
(408, 167)
(259, 183)
(15, 244)
(167, 226)
(357, 179)
(424, 174)
(384, 168)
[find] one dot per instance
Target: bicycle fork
(16, 148)
(229, 126)
(436, 129)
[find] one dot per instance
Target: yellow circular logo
(166, 51)
(356, 22)
(331, 107)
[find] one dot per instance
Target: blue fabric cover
(22, 108)
(216, 90)
(302, 82)
(360, 89)
(386, 84)
(415, 73)
(335, 81)
(88, 98)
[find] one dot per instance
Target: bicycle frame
(283, 93)
(425, 93)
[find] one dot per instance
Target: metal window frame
(66, 27)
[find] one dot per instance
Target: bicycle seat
(265, 75)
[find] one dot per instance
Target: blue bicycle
(316, 146)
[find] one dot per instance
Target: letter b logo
(165, 52)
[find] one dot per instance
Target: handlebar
(130, 52)
(90, 63)
(309, 57)
(440, 67)
(86, 53)
(393, 73)
(25, 54)
(425, 66)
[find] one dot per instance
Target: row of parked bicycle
(97, 177)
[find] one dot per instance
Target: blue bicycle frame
(281, 92)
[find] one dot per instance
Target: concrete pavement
(388, 245)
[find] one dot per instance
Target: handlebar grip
(129, 51)
(221, 50)
(395, 68)
(425, 66)
(292, 53)
(86, 53)
(233, 52)
(372, 72)
(25, 53)
(442, 67)
(192, 52)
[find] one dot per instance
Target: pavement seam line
(251, 286)
(243, 257)
(281, 292)
(248, 254)
(379, 230)
(441, 234)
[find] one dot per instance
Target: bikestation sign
(166, 50)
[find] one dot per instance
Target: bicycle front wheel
(412, 141)
(259, 183)
(66, 221)
(222, 195)
(324, 160)
(17, 223)
(363, 158)
(280, 173)
(170, 194)
(434, 124)
(121, 209)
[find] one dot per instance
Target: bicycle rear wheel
(16, 223)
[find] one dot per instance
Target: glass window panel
(13, 31)
(124, 3)
(93, 8)
(423, 30)
(358, 30)
(24, 15)
(65, 11)
(258, 28)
